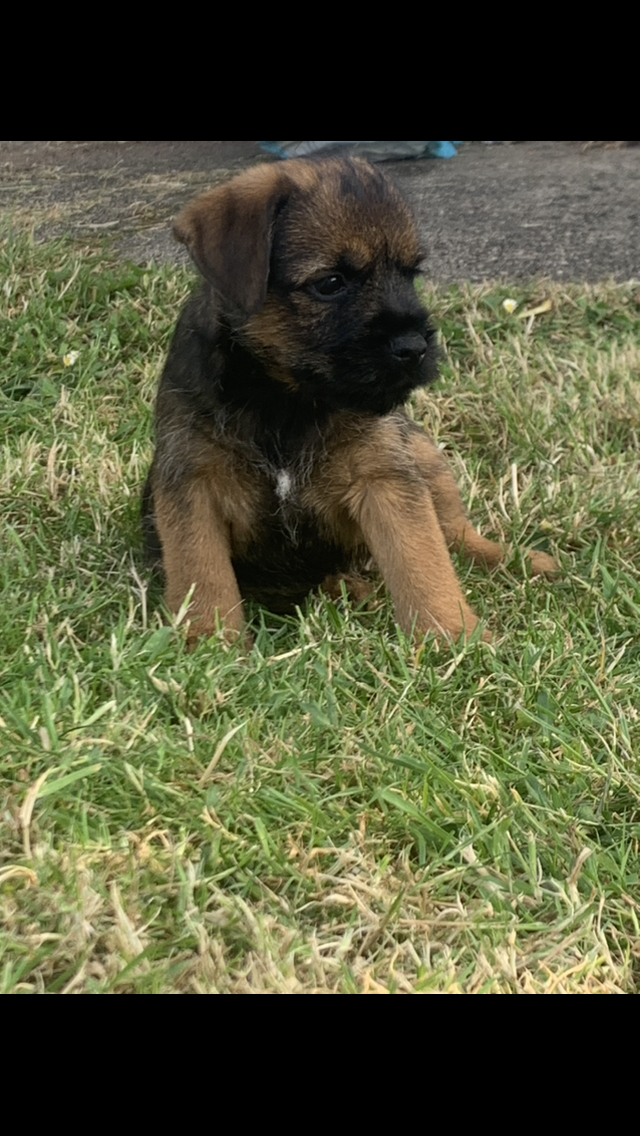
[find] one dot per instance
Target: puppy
(284, 461)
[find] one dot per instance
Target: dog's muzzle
(409, 350)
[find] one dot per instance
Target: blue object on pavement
(379, 150)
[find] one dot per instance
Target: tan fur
(372, 484)
(196, 555)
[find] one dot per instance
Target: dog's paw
(476, 632)
(464, 637)
(358, 590)
(230, 636)
(459, 632)
(543, 565)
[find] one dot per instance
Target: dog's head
(314, 266)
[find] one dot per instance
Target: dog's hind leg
(458, 531)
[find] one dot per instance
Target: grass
(340, 812)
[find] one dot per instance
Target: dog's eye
(328, 286)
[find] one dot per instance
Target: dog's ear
(229, 233)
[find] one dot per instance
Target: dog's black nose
(409, 349)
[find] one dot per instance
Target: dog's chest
(286, 487)
(286, 509)
(290, 554)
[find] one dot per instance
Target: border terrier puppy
(284, 461)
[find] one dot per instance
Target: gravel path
(535, 208)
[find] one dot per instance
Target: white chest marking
(284, 485)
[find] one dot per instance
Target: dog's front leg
(400, 526)
(196, 555)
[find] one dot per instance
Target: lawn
(342, 811)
